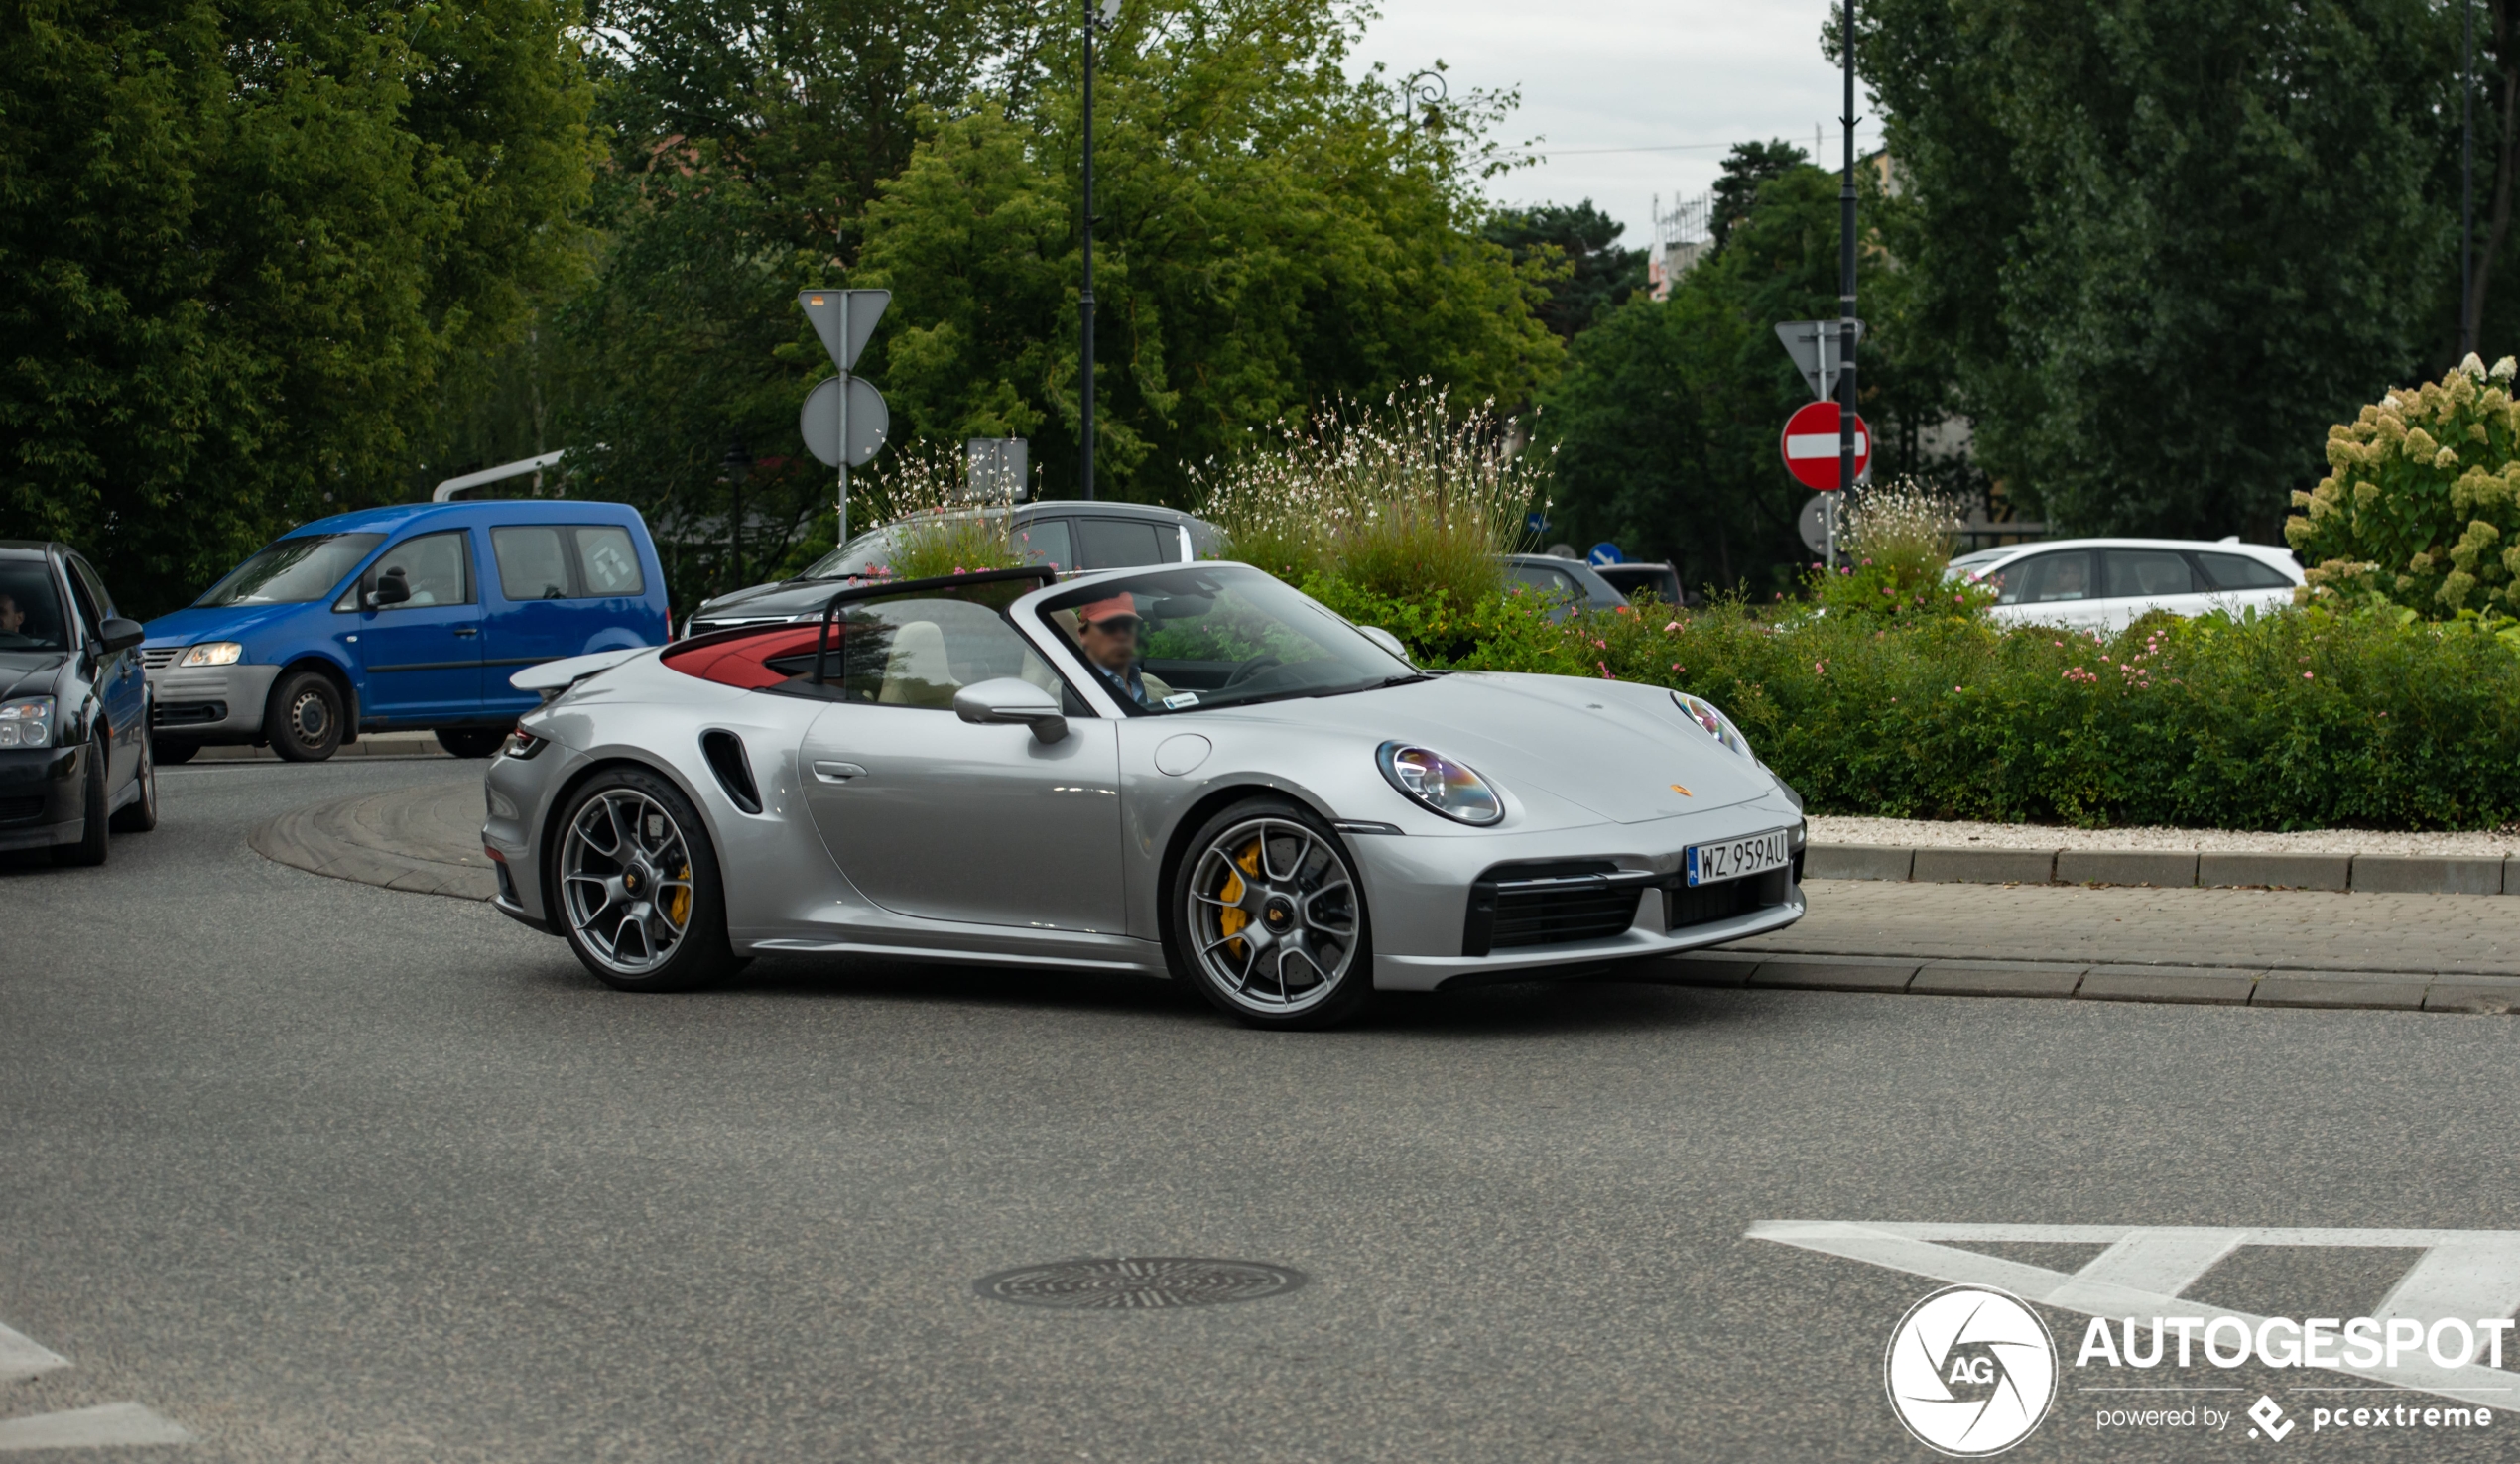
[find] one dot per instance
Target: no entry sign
(1810, 445)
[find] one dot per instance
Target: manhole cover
(1136, 1283)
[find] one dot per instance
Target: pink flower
(1675, 625)
(1605, 670)
(2307, 676)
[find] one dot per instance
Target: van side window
(566, 562)
(607, 562)
(435, 564)
(533, 561)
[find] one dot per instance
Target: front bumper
(41, 792)
(209, 703)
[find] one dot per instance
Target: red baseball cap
(1122, 603)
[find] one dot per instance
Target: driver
(10, 617)
(1107, 632)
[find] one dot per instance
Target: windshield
(291, 571)
(30, 612)
(1186, 640)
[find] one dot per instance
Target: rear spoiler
(551, 677)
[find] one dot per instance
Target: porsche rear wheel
(638, 888)
(1269, 919)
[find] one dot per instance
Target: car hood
(30, 673)
(1622, 751)
(215, 623)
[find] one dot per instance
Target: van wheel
(470, 742)
(303, 720)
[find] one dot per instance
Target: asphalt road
(320, 1171)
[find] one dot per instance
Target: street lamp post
(1095, 19)
(737, 465)
(2468, 312)
(1847, 281)
(1426, 89)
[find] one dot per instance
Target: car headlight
(1718, 725)
(1438, 784)
(213, 652)
(27, 723)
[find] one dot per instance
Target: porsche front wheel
(638, 888)
(1268, 917)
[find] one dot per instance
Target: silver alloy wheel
(1272, 916)
(626, 880)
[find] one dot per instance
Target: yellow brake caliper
(1232, 920)
(678, 906)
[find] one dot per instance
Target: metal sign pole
(844, 437)
(1846, 289)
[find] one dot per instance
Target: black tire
(303, 719)
(141, 814)
(169, 751)
(600, 899)
(1310, 922)
(471, 742)
(94, 840)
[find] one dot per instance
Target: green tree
(1667, 418)
(2165, 243)
(1600, 274)
(1268, 240)
(1746, 170)
(240, 241)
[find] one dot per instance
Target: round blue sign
(1606, 552)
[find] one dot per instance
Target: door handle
(837, 772)
(467, 630)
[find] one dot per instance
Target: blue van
(401, 618)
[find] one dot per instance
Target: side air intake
(725, 753)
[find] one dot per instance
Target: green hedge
(2318, 718)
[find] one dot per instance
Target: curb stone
(379, 839)
(2404, 990)
(2168, 869)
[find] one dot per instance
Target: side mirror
(1010, 699)
(393, 587)
(120, 634)
(1387, 641)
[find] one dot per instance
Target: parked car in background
(2105, 584)
(1068, 534)
(409, 617)
(75, 758)
(1571, 583)
(1658, 580)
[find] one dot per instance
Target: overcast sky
(1626, 73)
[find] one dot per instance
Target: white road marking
(2462, 1273)
(22, 1358)
(117, 1423)
(123, 1424)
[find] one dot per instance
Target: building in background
(1682, 237)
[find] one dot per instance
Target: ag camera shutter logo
(1970, 1371)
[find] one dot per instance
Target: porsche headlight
(1718, 725)
(27, 723)
(1438, 784)
(213, 652)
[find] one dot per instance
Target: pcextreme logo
(1970, 1371)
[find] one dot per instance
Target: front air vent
(725, 753)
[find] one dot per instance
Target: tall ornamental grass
(1897, 539)
(943, 526)
(1410, 502)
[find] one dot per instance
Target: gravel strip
(1922, 833)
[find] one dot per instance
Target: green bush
(2422, 506)
(2328, 716)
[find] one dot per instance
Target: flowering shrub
(2331, 715)
(2422, 503)
(945, 526)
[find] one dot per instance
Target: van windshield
(291, 571)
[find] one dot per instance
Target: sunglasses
(1115, 624)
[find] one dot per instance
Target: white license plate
(1712, 864)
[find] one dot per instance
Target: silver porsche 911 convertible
(1191, 771)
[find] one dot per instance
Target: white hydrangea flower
(2505, 369)
(2475, 365)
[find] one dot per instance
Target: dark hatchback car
(1068, 534)
(74, 709)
